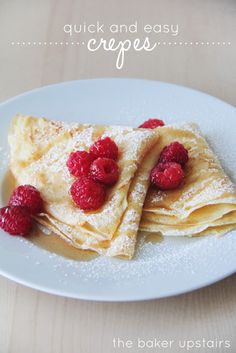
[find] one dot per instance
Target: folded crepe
(204, 204)
(39, 150)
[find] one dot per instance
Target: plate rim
(167, 83)
(118, 299)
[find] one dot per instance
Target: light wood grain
(34, 322)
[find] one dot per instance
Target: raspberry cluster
(95, 170)
(17, 217)
(168, 174)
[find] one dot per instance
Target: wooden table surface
(34, 322)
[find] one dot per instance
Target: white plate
(172, 267)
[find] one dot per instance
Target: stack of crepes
(39, 152)
(204, 204)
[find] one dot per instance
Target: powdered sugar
(172, 256)
(4, 154)
(130, 138)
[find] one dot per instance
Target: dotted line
(83, 43)
(46, 43)
(193, 43)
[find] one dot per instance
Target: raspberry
(105, 170)
(105, 148)
(152, 124)
(16, 220)
(175, 152)
(27, 196)
(167, 176)
(79, 163)
(87, 194)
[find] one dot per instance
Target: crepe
(206, 202)
(39, 151)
